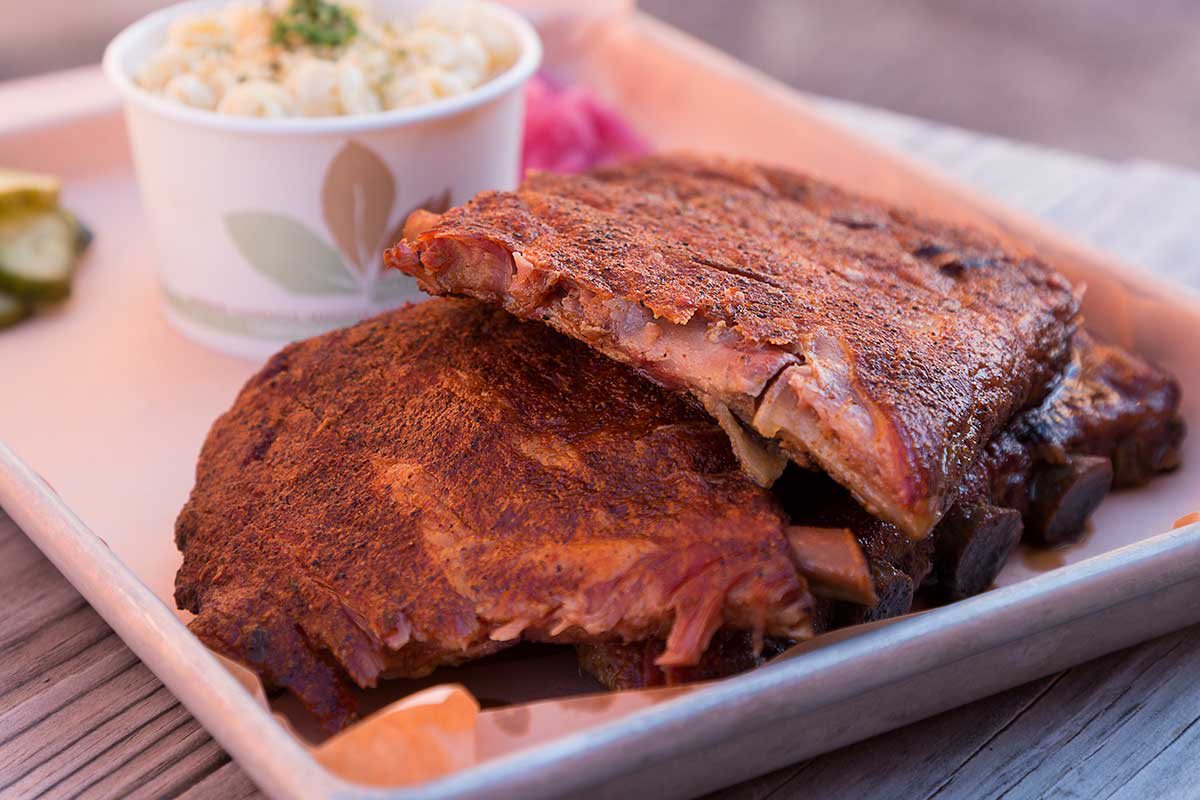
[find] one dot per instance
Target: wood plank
(170, 763)
(910, 762)
(70, 736)
(1092, 731)
(79, 715)
(228, 783)
(1173, 772)
(49, 646)
(34, 600)
(107, 740)
(1096, 728)
(54, 689)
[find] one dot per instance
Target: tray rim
(282, 767)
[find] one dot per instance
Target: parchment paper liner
(442, 729)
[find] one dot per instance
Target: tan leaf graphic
(438, 204)
(356, 200)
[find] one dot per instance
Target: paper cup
(271, 230)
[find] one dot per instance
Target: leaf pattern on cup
(358, 193)
(357, 197)
(289, 254)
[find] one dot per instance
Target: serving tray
(107, 405)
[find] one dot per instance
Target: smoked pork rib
(443, 481)
(882, 347)
(1111, 419)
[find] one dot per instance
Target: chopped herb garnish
(315, 22)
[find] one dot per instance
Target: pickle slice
(37, 254)
(26, 191)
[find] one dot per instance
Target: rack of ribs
(443, 482)
(1111, 419)
(430, 486)
(868, 342)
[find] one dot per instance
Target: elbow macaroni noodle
(226, 61)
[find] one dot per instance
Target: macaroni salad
(313, 58)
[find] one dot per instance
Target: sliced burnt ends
(441, 482)
(884, 348)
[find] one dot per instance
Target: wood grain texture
(81, 717)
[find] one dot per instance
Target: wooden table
(81, 716)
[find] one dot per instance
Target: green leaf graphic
(257, 326)
(289, 254)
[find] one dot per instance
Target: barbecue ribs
(1111, 418)
(879, 346)
(444, 481)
